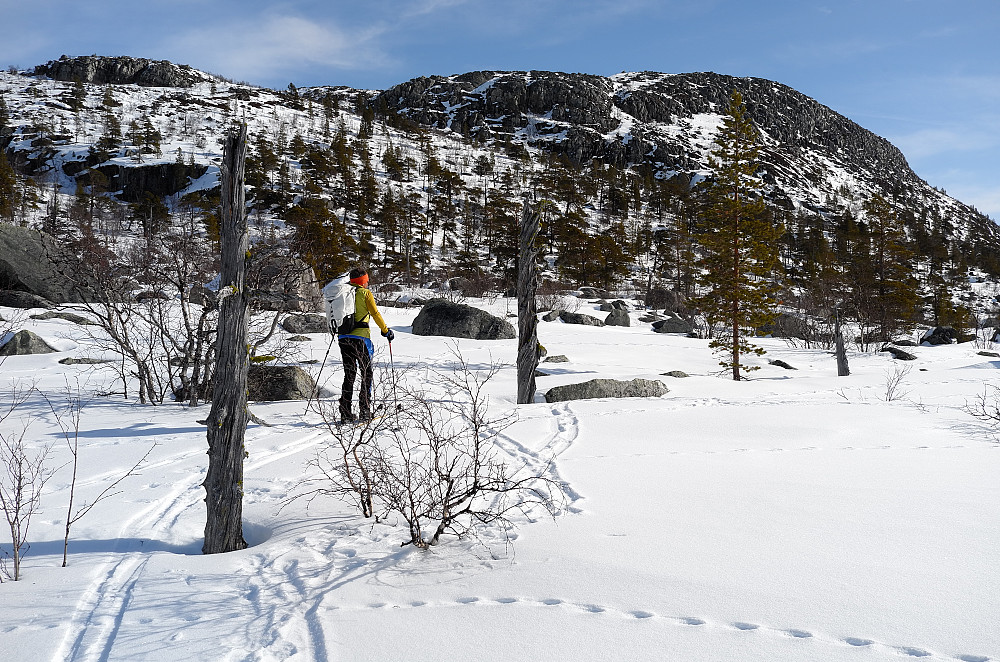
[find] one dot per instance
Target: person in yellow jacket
(356, 349)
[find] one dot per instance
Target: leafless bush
(68, 419)
(893, 386)
(23, 475)
(433, 462)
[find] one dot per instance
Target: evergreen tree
(740, 242)
(8, 190)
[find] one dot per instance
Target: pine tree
(740, 242)
(8, 190)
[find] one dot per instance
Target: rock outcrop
(122, 70)
(35, 263)
(23, 343)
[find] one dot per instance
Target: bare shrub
(894, 388)
(432, 462)
(23, 475)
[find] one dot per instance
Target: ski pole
(392, 366)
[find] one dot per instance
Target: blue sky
(923, 73)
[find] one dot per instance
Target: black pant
(355, 355)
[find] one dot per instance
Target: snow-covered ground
(796, 516)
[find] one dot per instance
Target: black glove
(388, 335)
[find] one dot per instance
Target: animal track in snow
(646, 616)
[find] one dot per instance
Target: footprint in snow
(467, 601)
(855, 641)
(640, 614)
(506, 601)
(689, 620)
(799, 634)
(745, 626)
(916, 652)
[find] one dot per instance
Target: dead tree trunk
(527, 317)
(843, 370)
(227, 421)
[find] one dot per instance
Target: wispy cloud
(275, 44)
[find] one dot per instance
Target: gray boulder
(70, 360)
(550, 316)
(23, 300)
(782, 364)
(23, 343)
(786, 326)
(940, 335)
(679, 374)
(673, 324)
(439, 317)
(285, 283)
(269, 383)
(607, 388)
(899, 354)
(69, 317)
(305, 323)
(36, 263)
(618, 317)
(557, 358)
(579, 318)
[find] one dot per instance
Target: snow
(795, 516)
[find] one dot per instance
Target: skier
(356, 348)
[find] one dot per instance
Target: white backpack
(340, 305)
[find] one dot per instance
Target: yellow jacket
(364, 306)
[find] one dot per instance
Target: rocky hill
(812, 155)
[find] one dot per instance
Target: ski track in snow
(94, 625)
(750, 628)
(565, 430)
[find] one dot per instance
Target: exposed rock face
(122, 70)
(23, 343)
(160, 179)
(306, 323)
(23, 300)
(456, 320)
(34, 262)
(269, 383)
(607, 388)
(579, 318)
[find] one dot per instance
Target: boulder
(299, 338)
(24, 300)
(23, 343)
(579, 318)
(557, 358)
(990, 354)
(439, 317)
(592, 293)
(899, 354)
(69, 360)
(305, 323)
(607, 388)
(284, 283)
(202, 296)
(36, 263)
(618, 317)
(69, 317)
(782, 364)
(786, 326)
(551, 316)
(673, 324)
(679, 374)
(940, 335)
(269, 382)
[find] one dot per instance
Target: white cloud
(272, 45)
(933, 141)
